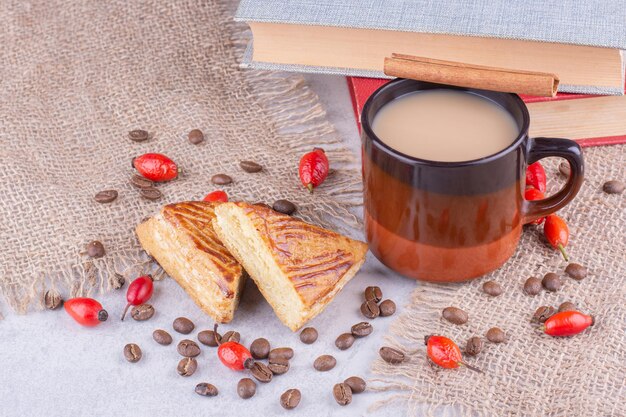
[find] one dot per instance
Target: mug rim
(369, 132)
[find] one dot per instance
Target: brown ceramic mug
(453, 221)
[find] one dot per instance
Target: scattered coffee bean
(342, 393)
(532, 286)
(308, 335)
(361, 329)
(138, 135)
(284, 206)
(551, 282)
(324, 363)
(455, 315)
(250, 166)
(543, 313)
(495, 335)
(370, 309)
(261, 372)
(150, 193)
(387, 308)
(474, 346)
(356, 384)
(207, 337)
(162, 337)
(195, 137)
(613, 187)
(141, 182)
(188, 348)
(576, 271)
(290, 399)
(132, 352)
(221, 179)
(142, 312)
(246, 388)
(183, 325)
(374, 294)
(231, 336)
(52, 299)
(260, 348)
(279, 366)
(391, 355)
(106, 196)
(565, 169)
(567, 306)
(95, 249)
(187, 366)
(205, 389)
(117, 281)
(283, 353)
(344, 341)
(492, 288)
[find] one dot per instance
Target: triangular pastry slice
(181, 238)
(298, 267)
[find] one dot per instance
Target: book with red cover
(362, 88)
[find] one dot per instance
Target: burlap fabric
(532, 374)
(77, 75)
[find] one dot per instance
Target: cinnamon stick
(472, 76)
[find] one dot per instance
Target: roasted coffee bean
(141, 182)
(138, 135)
(361, 329)
(162, 337)
(308, 335)
(117, 281)
(374, 294)
(290, 399)
(284, 206)
(132, 352)
(356, 384)
(246, 388)
(344, 341)
(261, 372)
(52, 299)
(95, 249)
(231, 336)
(142, 312)
(532, 286)
(284, 353)
(106, 196)
(495, 335)
(150, 193)
(370, 309)
(543, 313)
(221, 179)
(195, 137)
(205, 389)
(324, 363)
(613, 187)
(567, 306)
(207, 337)
(279, 366)
(391, 355)
(455, 315)
(576, 271)
(474, 346)
(260, 348)
(387, 308)
(187, 366)
(188, 348)
(342, 393)
(551, 282)
(492, 288)
(250, 166)
(565, 169)
(183, 325)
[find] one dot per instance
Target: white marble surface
(53, 367)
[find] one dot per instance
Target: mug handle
(539, 148)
